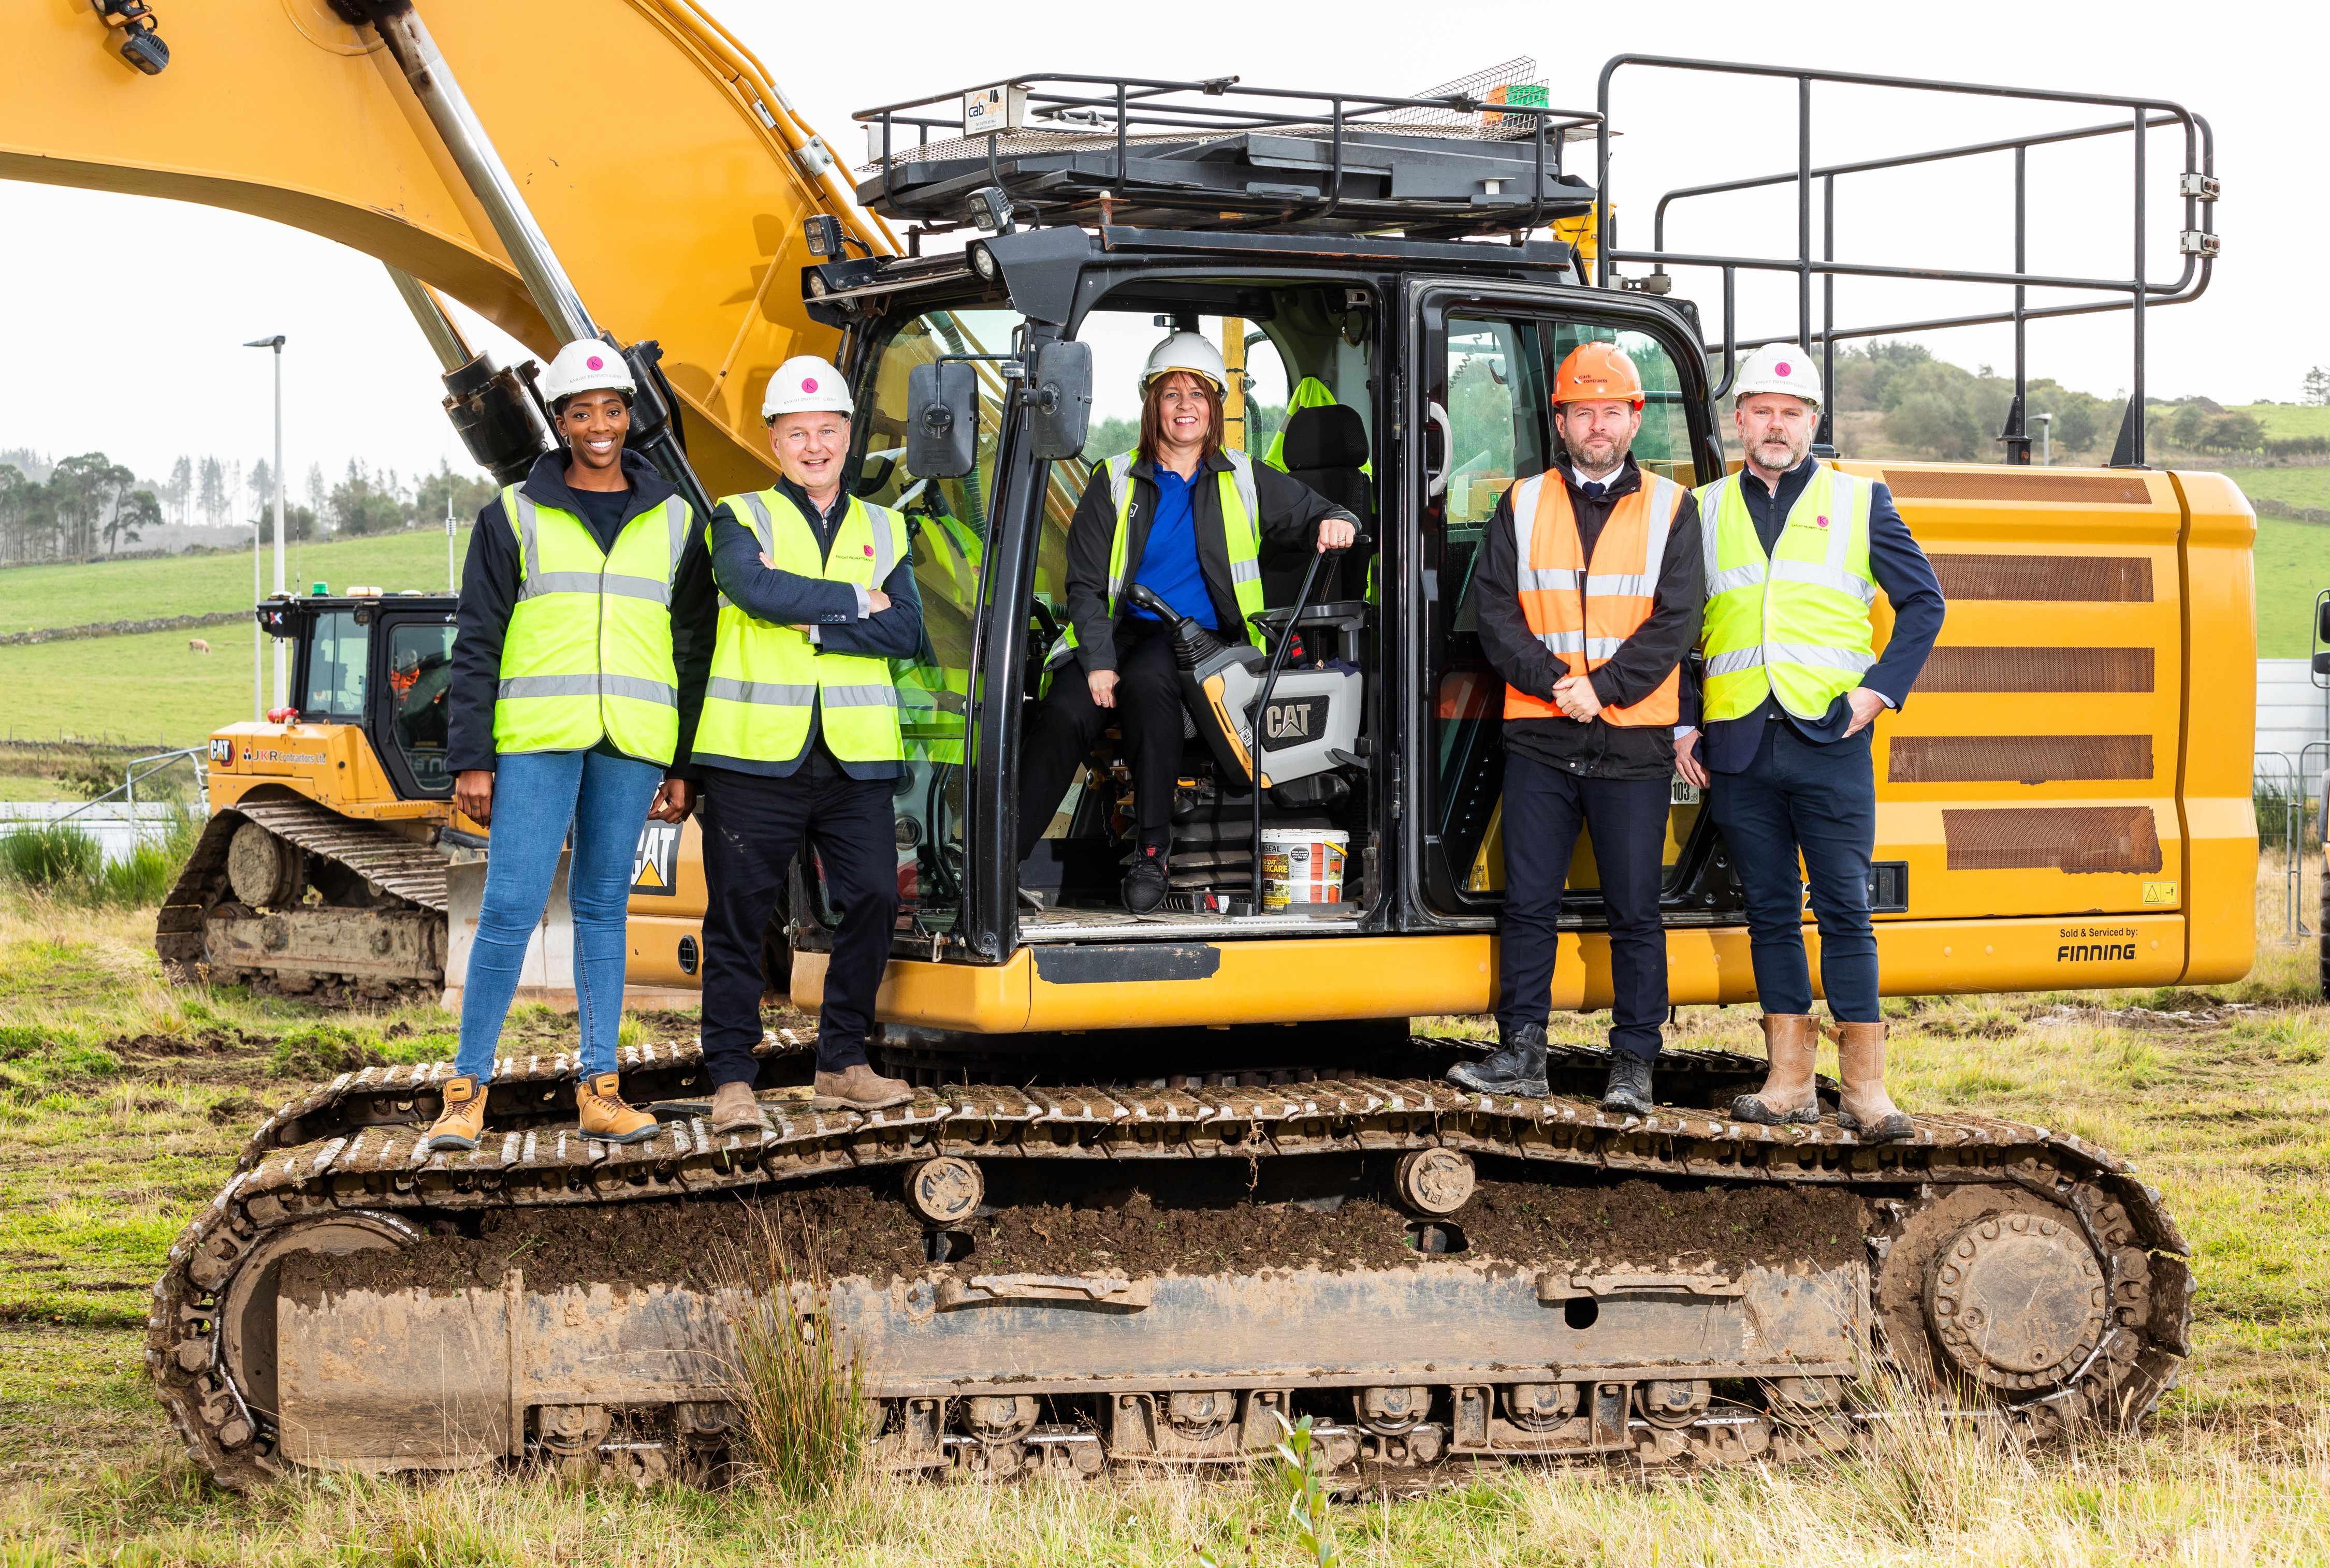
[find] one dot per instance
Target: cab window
(337, 661)
(419, 676)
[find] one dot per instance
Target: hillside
(36, 597)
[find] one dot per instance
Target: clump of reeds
(803, 1421)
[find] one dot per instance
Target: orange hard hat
(1597, 372)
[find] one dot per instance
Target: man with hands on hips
(1795, 552)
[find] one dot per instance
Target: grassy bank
(35, 597)
(122, 1100)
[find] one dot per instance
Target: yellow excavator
(1172, 1178)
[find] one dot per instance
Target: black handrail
(2197, 189)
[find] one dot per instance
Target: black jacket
(489, 582)
(1290, 512)
(1593, 749)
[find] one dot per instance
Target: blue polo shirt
(1169, 556)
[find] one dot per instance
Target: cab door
(1483, 380)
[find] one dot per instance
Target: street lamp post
(282, 676)
(2046, 439)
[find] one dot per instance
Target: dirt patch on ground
(844, 1230)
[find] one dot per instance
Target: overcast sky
(124, 316)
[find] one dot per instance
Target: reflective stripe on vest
(1795, 625)
(767, 679)
(1583, 610)
(587, 654)
(1241, 539)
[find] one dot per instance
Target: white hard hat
(1186, 350)
(1779, 367)
(805, 384)
(587, 364)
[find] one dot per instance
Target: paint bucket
(1301, 865)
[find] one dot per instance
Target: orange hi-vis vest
(1583, 610)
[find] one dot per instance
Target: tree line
(84, 507)
(1933, 407)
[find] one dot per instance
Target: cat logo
(655, 868)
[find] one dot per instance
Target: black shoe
(1630, 1084)
(1516, 1069)
(1145, 884)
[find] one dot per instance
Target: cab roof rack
(1478, 156)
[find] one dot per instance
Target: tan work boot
(463, 1120)
(1864, 1107)
(858, 1088)
(733, 1108)
(606, 1118)
(1793, 1043)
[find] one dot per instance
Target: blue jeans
(1822, 800)
(537, 796)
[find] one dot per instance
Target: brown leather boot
(606, 1118)
(858, 1088)
(1864, 1107)
(1793, 1044)
(462, 1122)
(733, 1110)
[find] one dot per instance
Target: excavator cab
(1408, 381)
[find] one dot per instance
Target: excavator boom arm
(659, 159)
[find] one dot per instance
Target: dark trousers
(1068, 723)
(752, 825)
(1627, 820)
(1820, 801)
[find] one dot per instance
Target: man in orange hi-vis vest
(1589, 594)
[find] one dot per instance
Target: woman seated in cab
(1152, 517)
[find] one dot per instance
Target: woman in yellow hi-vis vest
(1150, 517)
(578, 669)
(800, 741)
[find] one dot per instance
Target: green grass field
(2293, 564)
(32, 597)
(2284, 420)
(122, 1102)
(140, 689)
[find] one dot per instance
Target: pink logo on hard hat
(595, 363)
(1785, 368)
(808, 383)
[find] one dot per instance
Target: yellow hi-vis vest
(935, 697)
(1795, 625)
(587, 655)
(1241, 532)
(767, 678)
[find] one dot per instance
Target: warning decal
(655, 869)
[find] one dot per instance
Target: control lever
(1262, 702)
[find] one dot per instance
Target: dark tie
(1592, 490)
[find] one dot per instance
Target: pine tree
(2318, 386)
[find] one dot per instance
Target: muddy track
(1195, 1184)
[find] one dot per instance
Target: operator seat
(1325, 449)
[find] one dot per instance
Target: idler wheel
(946, 1191)
(2017, 1300)
(1434, 1182)
(265, 872)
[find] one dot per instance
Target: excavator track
(2012, 1270)
(378, 930)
